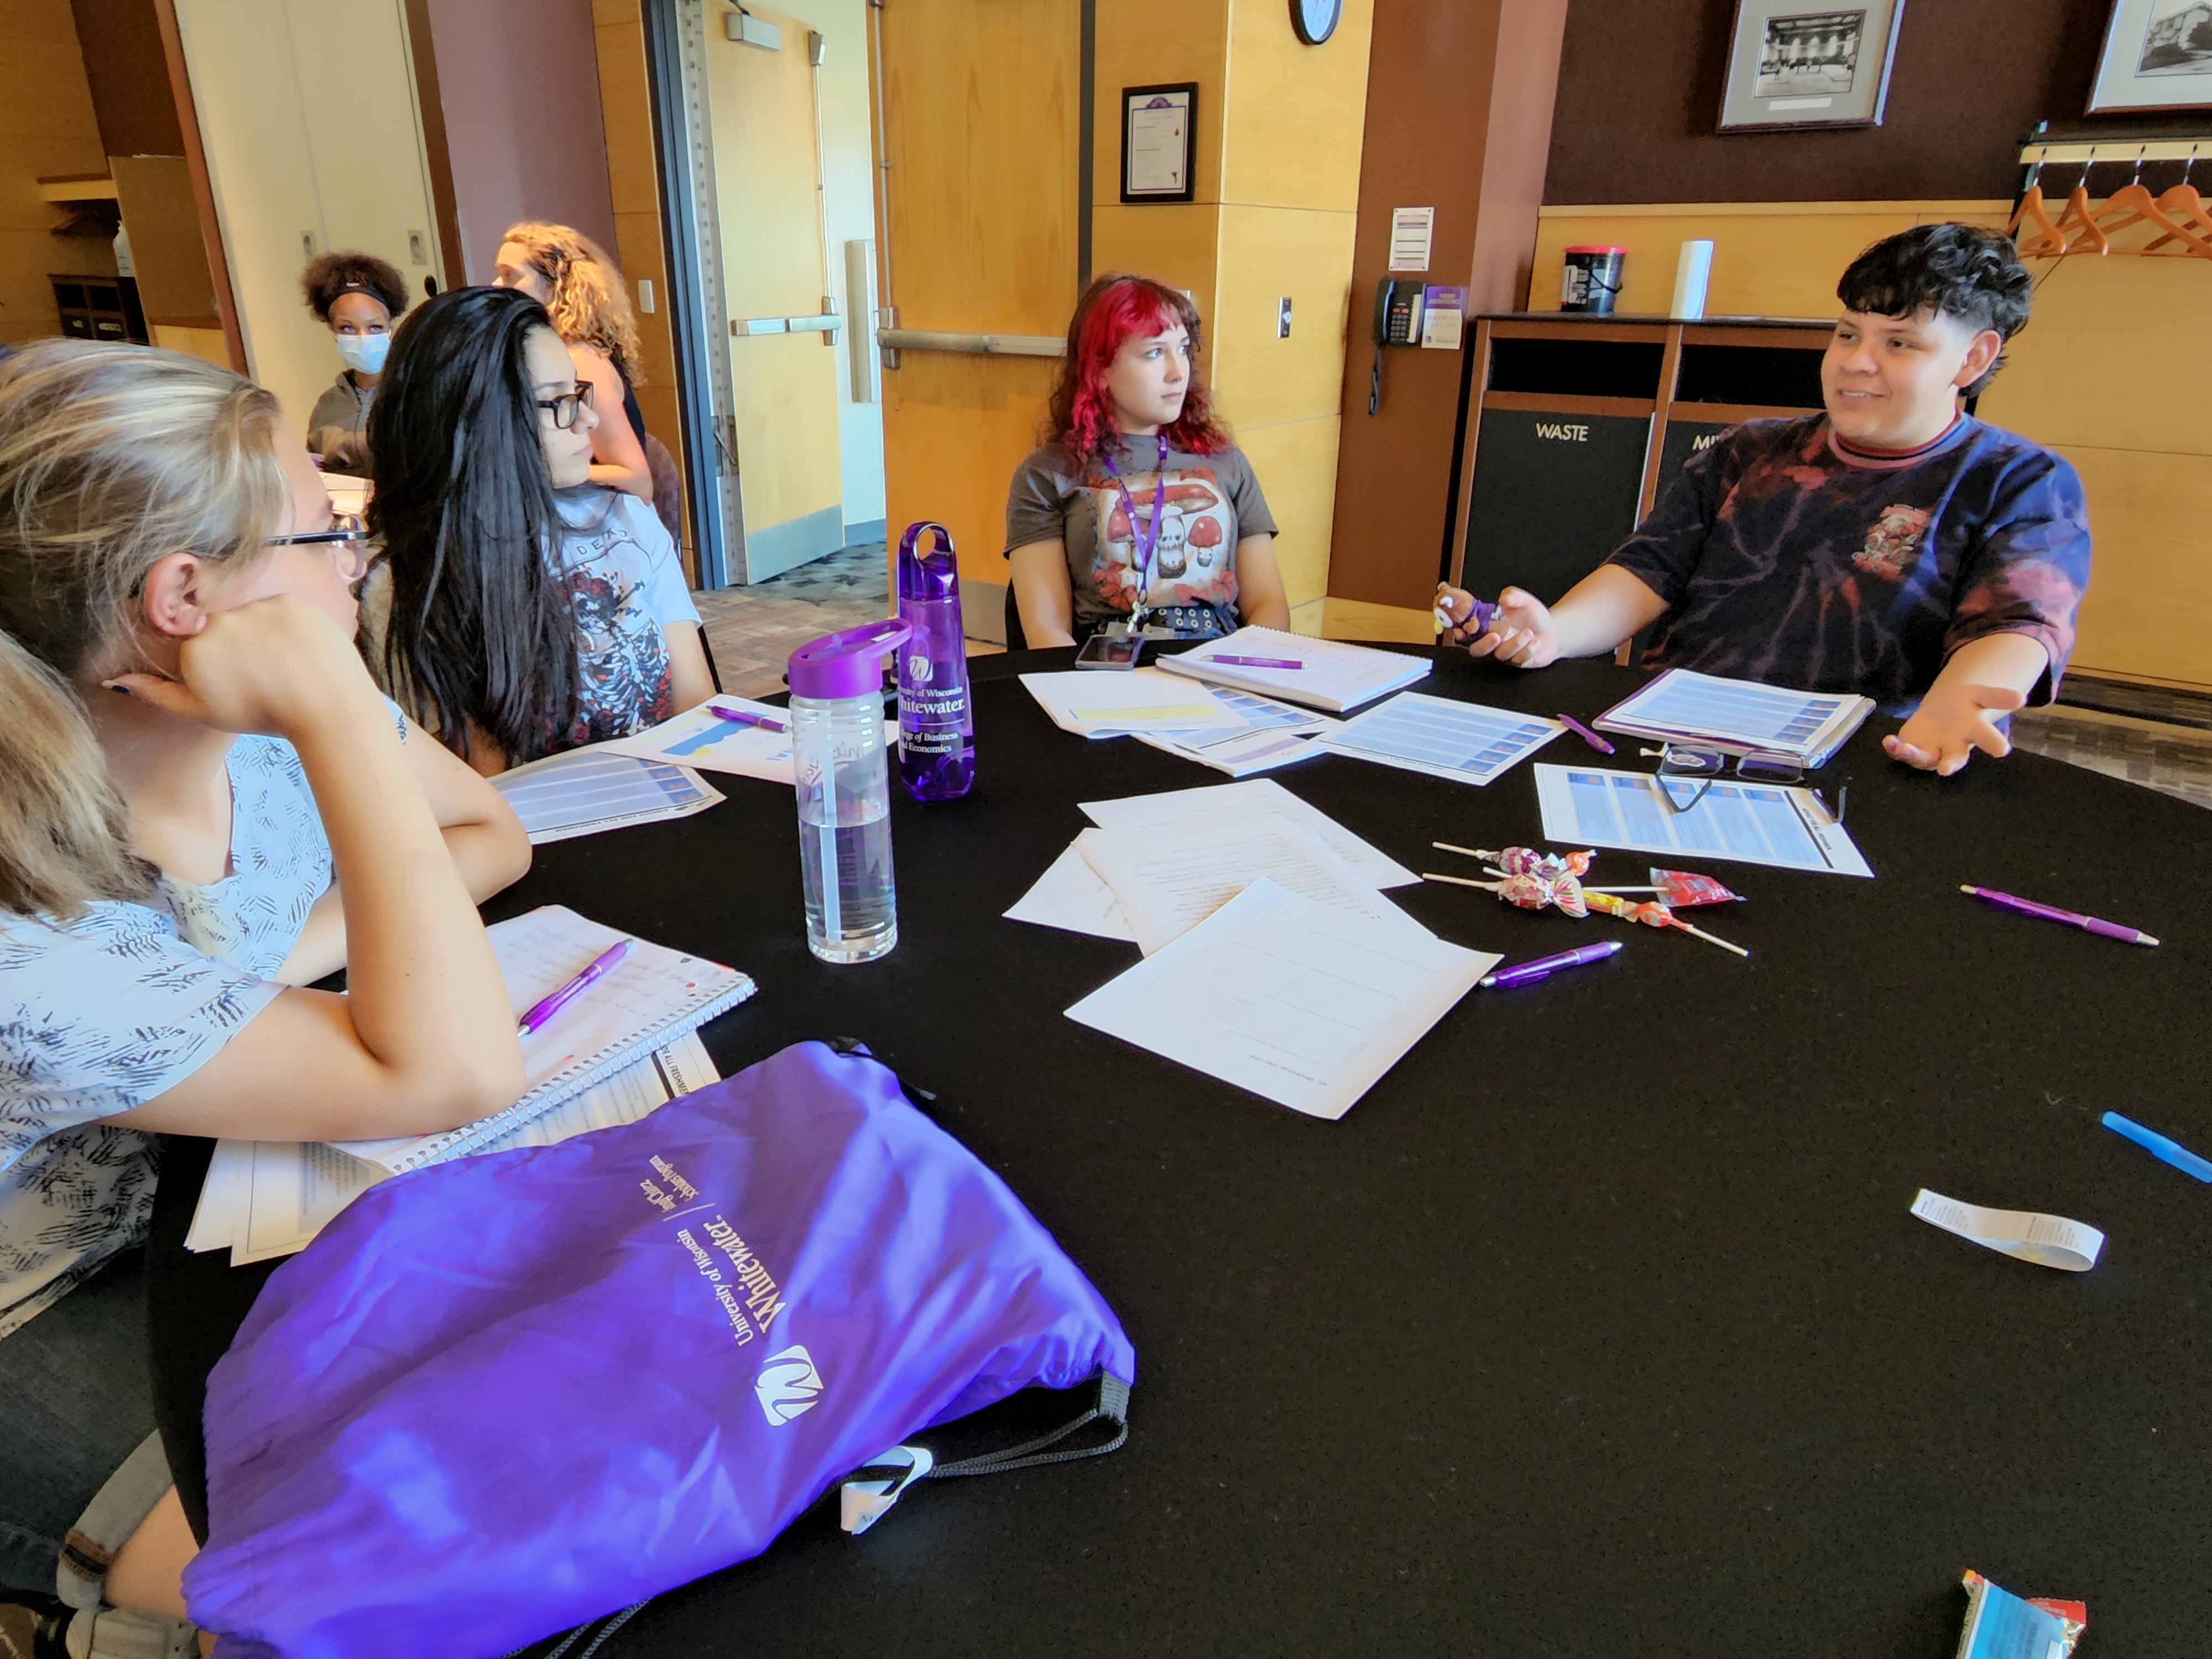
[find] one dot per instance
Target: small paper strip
(2048, 1241)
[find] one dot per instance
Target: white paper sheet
(1738, 714)
(1240, 754)
(2048, 1241)
(1748, 823)
(1333, 675)
(1176, 811)
(1305, 1006)
(1168, 885)
(585, 791)
(1072, 897)
(265, 1199)
(1464, 742)
(1095, 702)
(695, 738)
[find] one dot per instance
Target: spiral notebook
(653, 997)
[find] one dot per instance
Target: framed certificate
(1157, 148)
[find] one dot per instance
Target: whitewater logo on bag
(789, 1384)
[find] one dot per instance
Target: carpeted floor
(2173, 759)
(753, 630)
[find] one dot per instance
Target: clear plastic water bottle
(844, 787)
(937, 723)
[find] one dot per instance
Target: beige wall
(2110, 373)
(1277, 196)
(46, 129)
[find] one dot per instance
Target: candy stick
(1620, 890)
(1469, 852)
(1461, 881)
(1701, 933)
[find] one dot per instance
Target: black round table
(1600, 1327)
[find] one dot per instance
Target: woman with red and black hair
(1138, 511)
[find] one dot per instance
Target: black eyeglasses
(344, 527)
(1697, 769)
(565, 406)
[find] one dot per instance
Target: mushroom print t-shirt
(1210, 503)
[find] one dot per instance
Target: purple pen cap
(847, 664)
(927, 575)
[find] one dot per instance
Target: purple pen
(745, 717)
(1528, 973)
(2051, 913)
(1258, 662)
(599, 965)
(1586, 734)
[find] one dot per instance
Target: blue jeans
(78, 1399)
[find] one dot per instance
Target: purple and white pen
(745, 717)
(1586, 734)
(1257, 662)
(2051, 913)
(599, 965)
(1528, 973)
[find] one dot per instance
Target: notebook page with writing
(653, 995)
(1331, 675)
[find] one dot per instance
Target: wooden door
(783, 383)
(978, 228)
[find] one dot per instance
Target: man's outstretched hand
(1950, 724)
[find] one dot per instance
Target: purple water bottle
(937, 721)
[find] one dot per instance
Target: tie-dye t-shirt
(1785, 556)
(101, 1014)
(1213, 503)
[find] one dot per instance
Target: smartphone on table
(1110, 651)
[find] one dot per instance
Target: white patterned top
(101, 1014)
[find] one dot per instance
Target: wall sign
(2158, 55)
(1790, 66)
(1157, 124)
(1411, 232)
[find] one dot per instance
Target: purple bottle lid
(927, 575)
(847, 664)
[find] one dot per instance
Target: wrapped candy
(1531, 880)
(1682, 890)
(1532, 889)
(1652, 914)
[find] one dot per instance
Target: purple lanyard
(1148, 539)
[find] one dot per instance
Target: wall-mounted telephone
(1397, 323)
(1397, 313)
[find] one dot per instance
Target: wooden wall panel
(167, 254)
(956, 428)
(1178, 245)
(2149, 613)
(1303, 252)
(47, 129)
(1296, 461)
(1295, 133)
(1148, 43)
(1770, 258)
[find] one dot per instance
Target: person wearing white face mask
(356, 295)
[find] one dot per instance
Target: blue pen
(2158, 1147)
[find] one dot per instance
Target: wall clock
(1315, 20)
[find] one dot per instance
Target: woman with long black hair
(529, 611)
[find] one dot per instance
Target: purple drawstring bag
(503, 1396)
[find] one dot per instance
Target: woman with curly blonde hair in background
(582, 289)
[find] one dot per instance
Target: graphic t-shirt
(1212, 501)
(625, 584)
(102, 1013)
(1783, 555)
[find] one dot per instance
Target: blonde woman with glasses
(208, 808)
(583, 291)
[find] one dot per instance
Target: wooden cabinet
(1572, 425)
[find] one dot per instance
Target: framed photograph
(2157, 56)
(1157, 147)
(1791, 67)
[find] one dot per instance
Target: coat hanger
(2043, 240)
(2132, 204)
(2185, 203)
(2079, 211)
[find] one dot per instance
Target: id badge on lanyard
(1148, 540)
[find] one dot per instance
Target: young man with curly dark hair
(1894, 546)
(357, 296)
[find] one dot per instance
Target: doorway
(773, 211)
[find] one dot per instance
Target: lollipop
(1652, 914)
(1525, 860)
(1681, 889)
